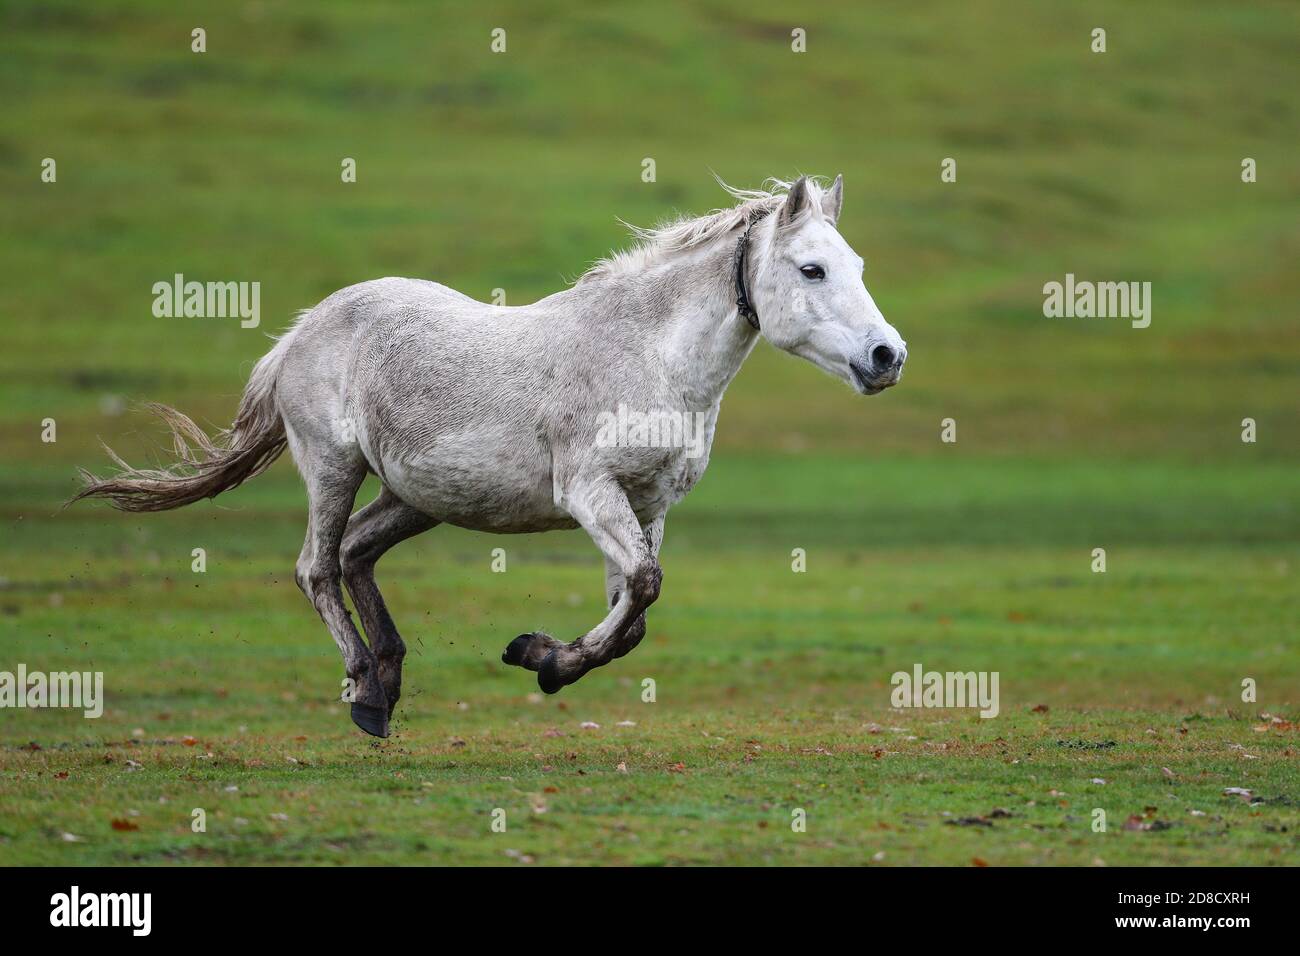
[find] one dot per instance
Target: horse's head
(813, 301)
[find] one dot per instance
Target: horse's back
(368, 302)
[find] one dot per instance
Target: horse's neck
(704, 341)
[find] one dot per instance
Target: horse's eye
(813, 272)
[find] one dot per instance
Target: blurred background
(488, 171)
(509, 170)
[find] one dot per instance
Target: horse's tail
(206, 466)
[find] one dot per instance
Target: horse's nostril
(882, 358)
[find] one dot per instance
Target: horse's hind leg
(370, 532)
(333, 478)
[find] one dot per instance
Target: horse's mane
(691, 232)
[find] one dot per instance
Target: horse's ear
(833, 200)
(796, 202)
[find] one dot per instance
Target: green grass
(773, 687)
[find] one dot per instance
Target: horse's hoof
(392, 684)
(528, 650)
(561, 667)
(373, 720)
(548, 675)
(514, 652)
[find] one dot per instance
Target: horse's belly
(501, 487)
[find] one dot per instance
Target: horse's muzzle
(882, 370)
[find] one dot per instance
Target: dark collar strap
(743, 305)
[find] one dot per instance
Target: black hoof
(514, 652)
(373, 720)
(548, 675)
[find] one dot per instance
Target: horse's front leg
(602, 509)
(615, 585)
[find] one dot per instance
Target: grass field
(772, 687)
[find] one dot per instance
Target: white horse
(488, 417)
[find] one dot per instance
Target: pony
(490, 417)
